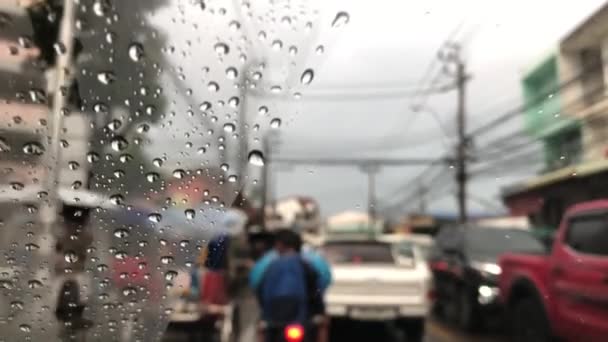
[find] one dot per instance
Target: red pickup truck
(564, 293)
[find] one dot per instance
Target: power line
(508, 115)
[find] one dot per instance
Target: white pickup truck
(379, 279)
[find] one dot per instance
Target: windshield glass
(359, 252)
(491, 243)
(191, 133)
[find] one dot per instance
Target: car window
(492, 242)
(358, 253)
(588, 234)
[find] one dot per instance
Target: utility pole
(421, 194)
(371, 170)
(461, 153)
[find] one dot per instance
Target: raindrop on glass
(190, 214)
(275, 123)
(117, 199)
(307, 76)
(119, 143)
(106, 77)
(232, 73)
(166, 260)
(256, 158)
(229, 127)
(155, 217)
(70, 257)
(179, 173)
(157, 162)
(342, 18)
(33, 148)
(152, 177)
(221, 48)
(121, 233)
(136, 52)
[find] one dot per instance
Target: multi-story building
(573, 121)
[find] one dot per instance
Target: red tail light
(294, 333)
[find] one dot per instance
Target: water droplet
(34, 284)
(118, 173)
(293, 50)
(204, 106)
(221, 48)
(277, 45)
(31, 247)
(25, 328)
(106, 77)
(179, 173)
(70, 257)
(4, 146)
(121, 233)
(190, 214)
(275, 123)
(114, 124)
(117, 199)
(234, 25)
(307, 76)
(100, 108)
(263, 110)
(213, 86)
(59, 48)
(136, 52)
(119, 143)
(275, 89)
(92, 157)
(72, 165)
(155, 217)
(17, 186)
(33, 148)
(256, 158)
(143, 128)
(152, 177)
(232, 178)
(234, 101)
(17, 305)
(224, 167)
(232, 73)
(129, 291)
(157, 162)
(229, 127)
(170, 275)
(184, 243)
(101, 7)
(320, 50)
(166, 260)
(342, 18)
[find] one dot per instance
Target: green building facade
(544, 118)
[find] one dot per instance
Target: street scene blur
(303, 170)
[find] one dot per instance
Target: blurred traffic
(303, 171)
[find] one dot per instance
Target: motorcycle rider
(290, 288)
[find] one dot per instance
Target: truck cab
(564, 293)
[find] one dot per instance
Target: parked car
(378, 280)
(464, 264)
(565, 293)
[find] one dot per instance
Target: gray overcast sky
(387, 44)
(390, 43)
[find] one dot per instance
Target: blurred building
(567, 110)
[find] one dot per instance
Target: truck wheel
(529, 321)
(467, 312)
(413, 329)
